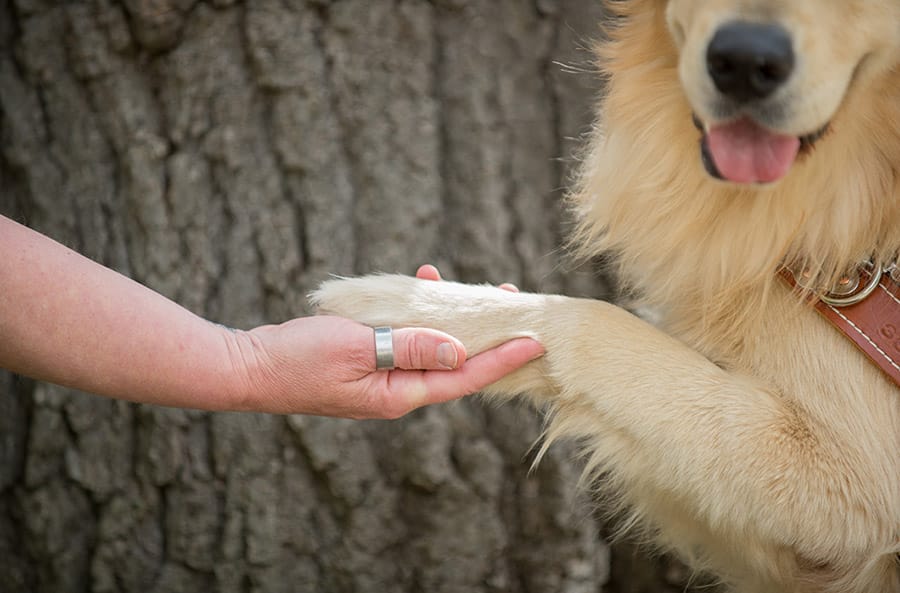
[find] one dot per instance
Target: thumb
(427, 349)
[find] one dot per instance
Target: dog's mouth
(743, 151)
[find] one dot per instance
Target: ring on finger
(384, 348)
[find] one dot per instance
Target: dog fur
(742, 430)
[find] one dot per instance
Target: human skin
(68, 320)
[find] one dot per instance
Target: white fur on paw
(478, 312)
(383, 299)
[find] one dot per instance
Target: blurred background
(231, 155)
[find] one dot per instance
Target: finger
(427, 349)
(428, 272)
(399, 392)
(509, 287)
(480, 371)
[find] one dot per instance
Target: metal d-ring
(856, 297)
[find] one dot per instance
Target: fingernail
(537, 355)
(539, 352)
(447, 355)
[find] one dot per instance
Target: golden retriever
(735, 137)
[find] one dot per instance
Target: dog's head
(766, 78)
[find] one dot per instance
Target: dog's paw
(481, 316)
(394, 300)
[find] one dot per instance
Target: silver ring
(384, 348)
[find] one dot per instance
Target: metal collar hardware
(864, 306)
(848, 290)
(840, 296)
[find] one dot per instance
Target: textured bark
(230, 155)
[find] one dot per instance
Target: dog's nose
(748, 61)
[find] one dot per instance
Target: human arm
(69, 320)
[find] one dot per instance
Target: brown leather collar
(865, 307)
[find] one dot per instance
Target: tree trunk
(231, 155)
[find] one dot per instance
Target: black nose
(748, 61)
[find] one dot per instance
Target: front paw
(481, 316)
(381, 299)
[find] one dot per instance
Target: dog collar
(864, 306)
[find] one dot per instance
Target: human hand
(326, 366)
(313, 365)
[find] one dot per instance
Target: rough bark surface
(230, 155)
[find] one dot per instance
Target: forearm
(69, 320)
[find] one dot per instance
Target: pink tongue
(747, 153)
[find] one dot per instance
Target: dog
(735, 138)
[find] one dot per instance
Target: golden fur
(743, 432)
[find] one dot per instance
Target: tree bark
(231, 155)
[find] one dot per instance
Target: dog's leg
(696, 449)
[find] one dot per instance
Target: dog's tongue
(747, 153)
